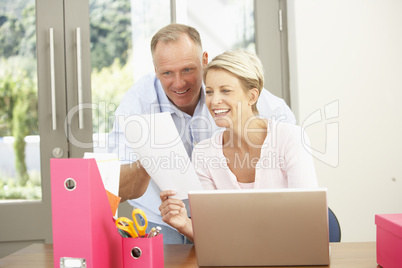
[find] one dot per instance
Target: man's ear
(204, 59)
(254, 94)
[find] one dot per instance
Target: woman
(252, 151)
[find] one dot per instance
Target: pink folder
(83, 224)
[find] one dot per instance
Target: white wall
(349, 53)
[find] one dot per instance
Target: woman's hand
(174, 213)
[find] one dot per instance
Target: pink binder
(83, 225)
(84, 230)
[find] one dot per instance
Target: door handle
(79, 79)
(52, 79)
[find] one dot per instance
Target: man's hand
(134, 181)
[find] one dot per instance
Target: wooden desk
(343, 255)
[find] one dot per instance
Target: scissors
(127, 225)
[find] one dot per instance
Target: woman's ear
(254, 94)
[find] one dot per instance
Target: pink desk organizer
(389, 240)
(83, 227)
(143, 252)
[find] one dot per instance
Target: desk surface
(343, 255)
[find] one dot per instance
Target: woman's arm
(299, 164)
(174, 213)
(202, 167)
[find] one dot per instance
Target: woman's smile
(220, 112)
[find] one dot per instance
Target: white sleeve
(274, 108)
(116, 140)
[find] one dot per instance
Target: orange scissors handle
(126, 225)
(141, 228)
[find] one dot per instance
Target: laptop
(260, 227)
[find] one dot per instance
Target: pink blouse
(285, 161)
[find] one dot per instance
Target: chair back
(334, 227)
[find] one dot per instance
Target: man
(177, 88)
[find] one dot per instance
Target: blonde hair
(246, 66)
(173, 32)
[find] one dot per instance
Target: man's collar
(201, 101)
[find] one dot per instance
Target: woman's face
(226, 100)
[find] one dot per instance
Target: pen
(154, 231)
(158, 229)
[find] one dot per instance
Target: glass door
(24, 184)
(20, 177)
(46, 96)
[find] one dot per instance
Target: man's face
(179, 67)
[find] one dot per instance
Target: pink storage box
(389, 240)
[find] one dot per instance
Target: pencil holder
(143, 252)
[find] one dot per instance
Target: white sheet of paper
(159, 148)
(109, 169)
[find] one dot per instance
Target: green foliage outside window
(110, 32)
(18, 111)
(108, 87)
